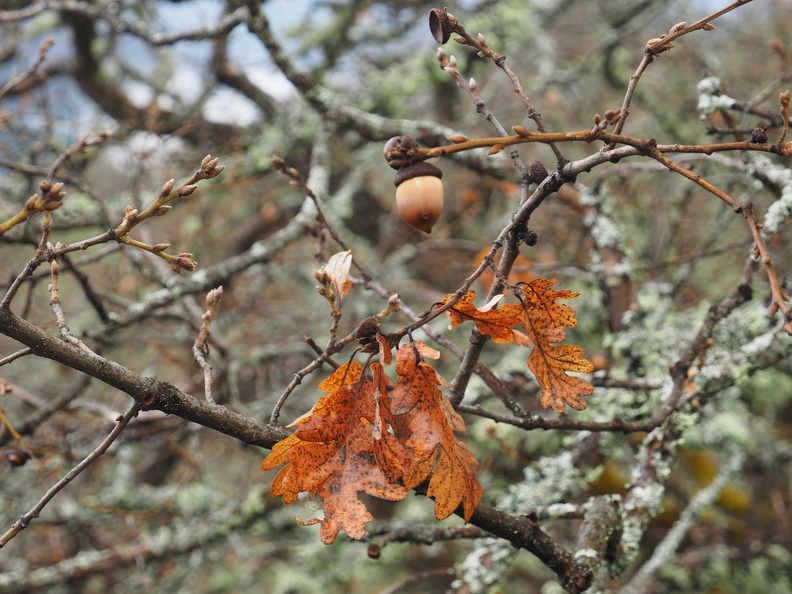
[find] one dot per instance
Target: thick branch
(149, 392)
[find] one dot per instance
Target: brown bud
(160, 247)
(46, 185)
(613, 116)
(366, 334)
(419, 195)
(167, 188)
(521, 131)
(17, 457)
(185, 191)
(31, 203)
(759, 134)
(538, 172)
(162, 210)
(186, 262)
(373, 551)
(214, 296)
(57, 191)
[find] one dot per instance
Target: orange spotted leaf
(371, 436)
(332, 455)
(496, 323)
(542, 319)
(428, 424)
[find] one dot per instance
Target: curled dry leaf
(367, 435)
(543, 320)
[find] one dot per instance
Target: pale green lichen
(587, 554)
(549, 480)
(644, 502)
(780, 210)
(711, 97)
(485, 566)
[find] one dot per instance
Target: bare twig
(200, 348)
(24, 521)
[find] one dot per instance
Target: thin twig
(24, 521)
(200, 348)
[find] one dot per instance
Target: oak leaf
(496, 323)
(337, 269)
(427, 422)
(331, 454)
(367, 435)
(543, 320)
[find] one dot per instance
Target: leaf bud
(53, 205)
(472, 84)
(31, 203)
(521, 131)
(419, 195)
(457, 138)
(130, 214)
(214, 296)
(160, 247)
(185, 191)
(613, 116)
(46, 185)
(57, 191)
(162, 210)
(442, 57)
(677, 27)
(185, 261)
(278, 163)
(167, 188)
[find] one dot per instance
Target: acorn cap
(416, 170)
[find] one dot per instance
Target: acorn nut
(419, 195)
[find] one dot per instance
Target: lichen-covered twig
(24, 521)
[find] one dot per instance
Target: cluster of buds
(325, 289)
(419, 191)
(183, 261)
(51, 198)
(209, 168)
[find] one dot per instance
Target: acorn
(419, 195)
